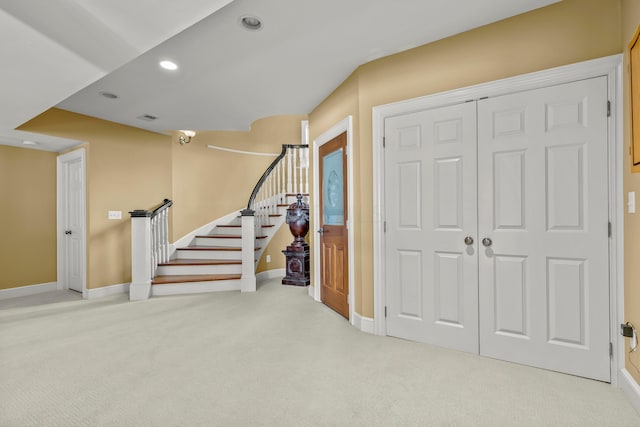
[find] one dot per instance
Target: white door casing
(565, 269)
(430, 165)
(71, 233)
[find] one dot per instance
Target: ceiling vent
(108, 95)
(147, 117)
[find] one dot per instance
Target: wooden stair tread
(200, 262)
(225, 236)
(163, 280)
(210, 248)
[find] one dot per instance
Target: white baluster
(283, 189)
(289, 175)
(300, 188)
(165, 232)
(271, 194)
(294, 154)
(153, 245)
(306, 171)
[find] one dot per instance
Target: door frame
(611, 67)
(345, 125)
(60, 203)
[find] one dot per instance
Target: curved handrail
(270, 169)
(143, 213)
(166, 204)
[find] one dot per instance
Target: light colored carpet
(272, 358)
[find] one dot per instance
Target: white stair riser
(218, 241)
(233, 231)
(173, 270)
(222, 255)
(195, 287)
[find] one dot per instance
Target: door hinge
(609, 228)
(611, 350)
(385, 226)
(384, 142)
(385, 311)
(608, 108)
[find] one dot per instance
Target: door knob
(321, 231)
(468, 240)
(487, 242)
(68, 232)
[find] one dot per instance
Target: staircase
(223, 255)
(213, 261)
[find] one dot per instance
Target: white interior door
(543, 188)
(71, 220)
(537, 274)
(431, 274)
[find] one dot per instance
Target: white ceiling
(64, 52)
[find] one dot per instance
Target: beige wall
(563, 33)
(127, 168)
(27, 217)
(209, 184)
(630, 22)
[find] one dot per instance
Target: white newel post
(140, 288)
(248, 280)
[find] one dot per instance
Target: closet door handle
(487, 242)
(468, 240)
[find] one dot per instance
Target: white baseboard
(122, 288)
(195, 288)
(22, 291)
(630, 387)
(365, 324)
(270, 274)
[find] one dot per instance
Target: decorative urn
(297, 253)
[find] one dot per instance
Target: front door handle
(321, 231)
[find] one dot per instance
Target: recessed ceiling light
(169, 65)
(251, 22)
(109, 95)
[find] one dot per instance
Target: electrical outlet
(114, 215)
(268, 258)
(626, 330)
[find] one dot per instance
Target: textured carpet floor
(272, 358)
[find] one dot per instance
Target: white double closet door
(497, 227)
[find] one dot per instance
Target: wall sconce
(186, 136)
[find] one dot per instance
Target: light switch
(631, 203)
(115, 215)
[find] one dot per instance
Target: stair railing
(287, 174)
(149, 247)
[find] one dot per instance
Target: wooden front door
(334, 272)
